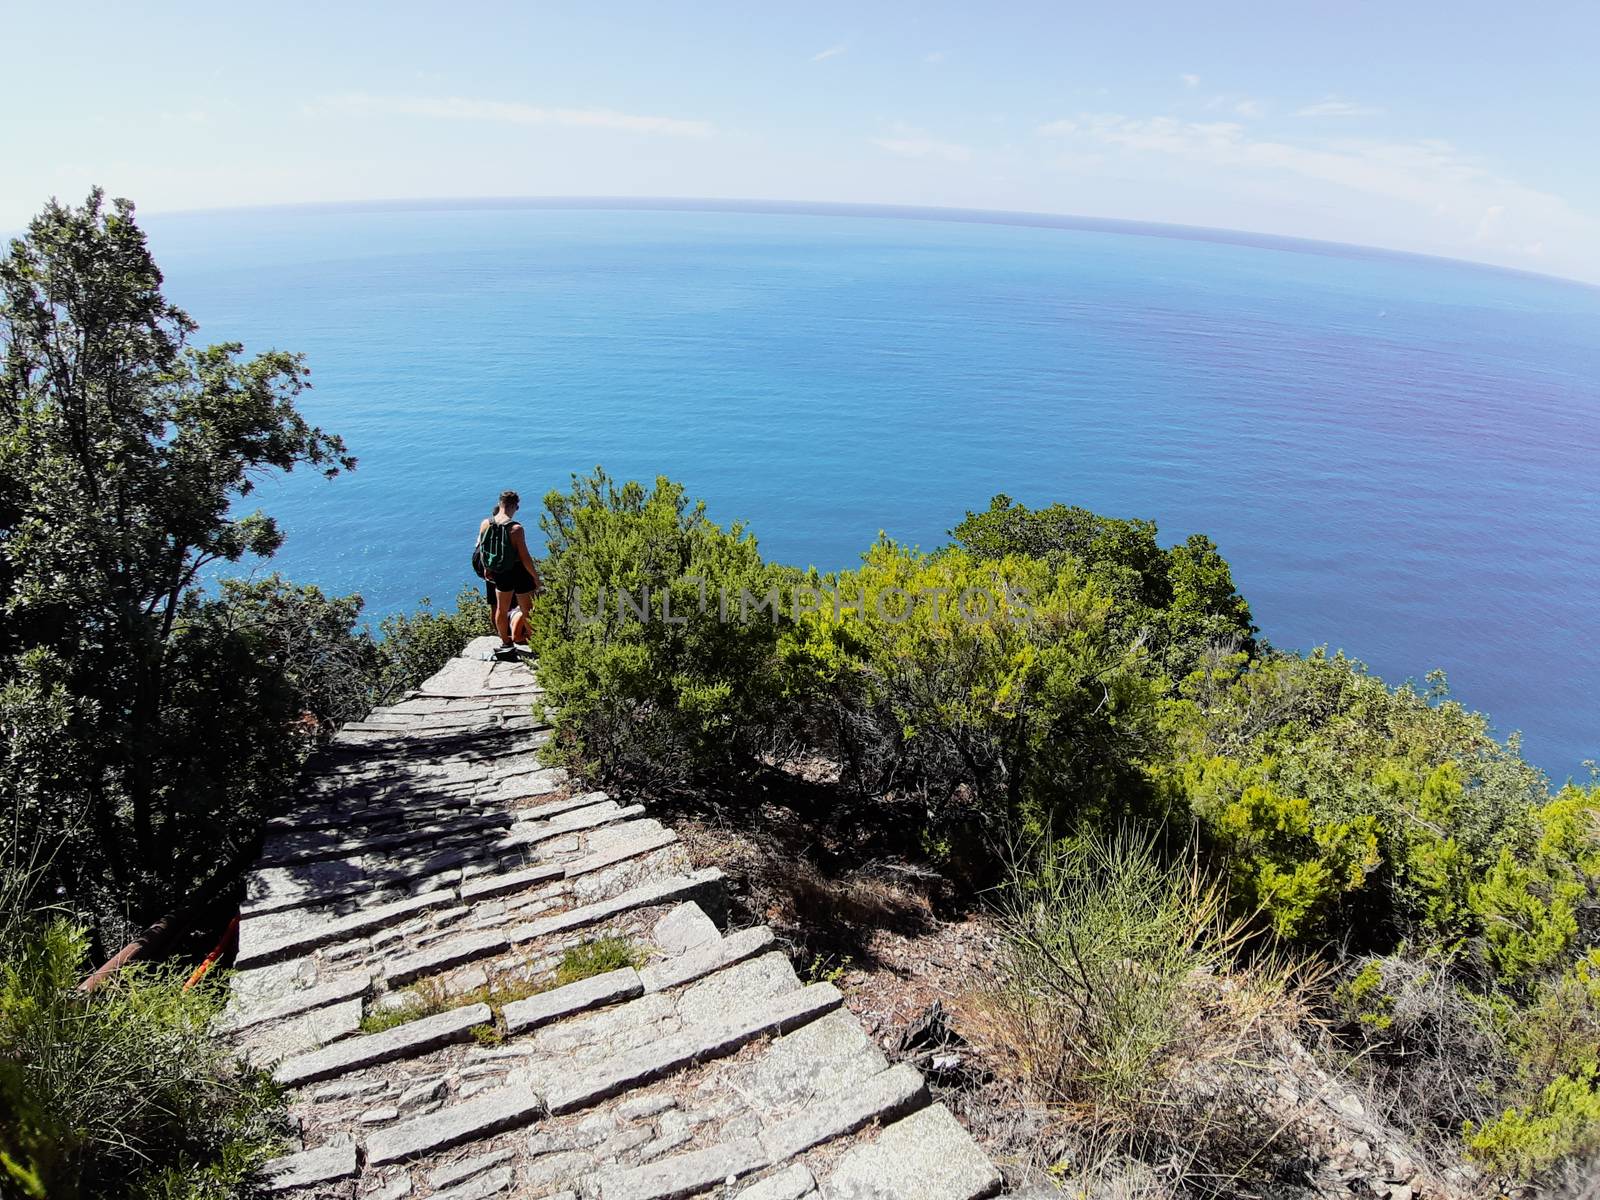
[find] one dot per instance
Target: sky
(1459, 128)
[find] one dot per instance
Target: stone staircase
(434, 870)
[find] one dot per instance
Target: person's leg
(525, 603)
(488, 594)
(502, 616)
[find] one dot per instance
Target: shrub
(1121, 1005)
(1346, 808)
(1180, 601)
(991, 689)
(124, 1091)
(644, 677)
(1101, 940)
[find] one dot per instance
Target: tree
(123, 450)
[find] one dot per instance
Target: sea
(1399, 455)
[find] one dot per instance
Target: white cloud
(830, 52)
(511, 112)
(1451, 190)
(1334, 107)
(1190, 80)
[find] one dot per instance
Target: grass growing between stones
(428, 997)
(610, 953)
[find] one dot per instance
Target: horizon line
(1020, 218)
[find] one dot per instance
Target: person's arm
(520, 541)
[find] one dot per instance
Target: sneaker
(505, 653)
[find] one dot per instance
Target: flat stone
(512, 881)
(927, 1156)
(531, 833)
(337, 1160)
(636, 847)
(264, 1044)
(703, 960)
(347, 1090)
(467, 1167)
(683, 1174)
(347, 985)
(320, 933)
(553, 1169)
(380, 1116)
(575, 1090)
(554, 808)
(660, 892)
(747, 983)
(585, 994)
(448, 952)
(503, 1108)
(636, 1108)
(883, 1097)
(421, 1094)
(397, 1188)
(792, 1183)
(487, 1184)
(403, 1041)
(825, 1058)
(684, 928)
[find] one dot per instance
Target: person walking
(508, 567)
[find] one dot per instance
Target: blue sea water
(1397, 455)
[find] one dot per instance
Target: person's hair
(508, 497)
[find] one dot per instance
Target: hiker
(507, 566)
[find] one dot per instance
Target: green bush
(655, 635)
(125, 1091)
(1180, 601)
(993, 690)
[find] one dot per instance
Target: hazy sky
(1460, 128)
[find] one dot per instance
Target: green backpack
(496, 552)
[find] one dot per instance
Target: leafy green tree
(123, 452)
(994, 690)
(656, 635)
(1181, 601)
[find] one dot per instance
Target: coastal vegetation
(1054, 683)
(151, 722)
(1192, 843)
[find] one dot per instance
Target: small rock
(423, 1093)
(644, 1106)
(377, 1116)
(466, 1168)
(396, 1189)
(347, 1090)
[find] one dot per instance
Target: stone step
(926, 1156)
(883, 1097)
(308, 1168)
(715, 1038)
(319, 845)
(471, 947)
(255, 949)
(662, 891)
(241, 1015)
(403, 1041)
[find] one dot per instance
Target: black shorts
(513, 579)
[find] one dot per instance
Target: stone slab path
(434, 870)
